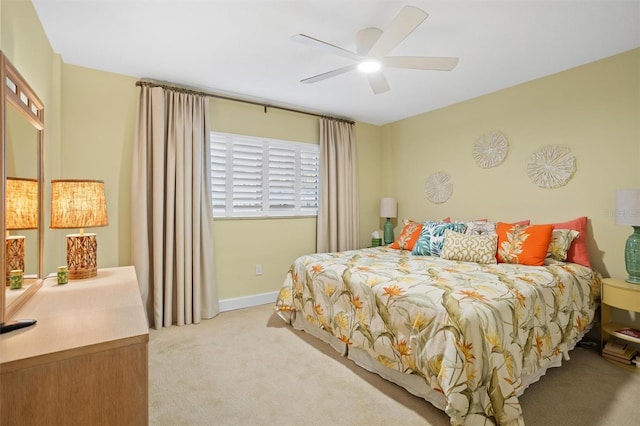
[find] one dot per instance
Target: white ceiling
(243, 47)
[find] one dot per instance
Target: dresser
(85, 361)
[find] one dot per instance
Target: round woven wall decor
(551, 166)
(439, 187)
(490, 150)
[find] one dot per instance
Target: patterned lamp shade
(79, 204)
(21, 212)
(21, 203)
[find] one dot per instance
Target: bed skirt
(412, 383)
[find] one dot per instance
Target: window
(259, 177)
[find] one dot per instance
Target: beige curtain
(338, 213)
(172, 221)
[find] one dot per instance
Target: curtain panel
(338, 211)
(172, 221)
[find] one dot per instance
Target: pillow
(525, 245)
(560, 243)
(432, 237)
(480, 227)
(469, 248)
(578, 252)
(408, 237)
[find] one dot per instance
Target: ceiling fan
(372, 46)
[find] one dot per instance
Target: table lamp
(79, 204)
(628, 213)
(388, 209)
(21, 212)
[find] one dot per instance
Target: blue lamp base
(388, 231)
(632, 256)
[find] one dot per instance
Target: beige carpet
(247, 367)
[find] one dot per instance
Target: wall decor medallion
(490, 150)
(551, 166)
(439, 187)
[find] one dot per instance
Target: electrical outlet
(258, 269)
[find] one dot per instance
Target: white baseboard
(247, 301)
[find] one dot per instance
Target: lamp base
(632, 256)
(82, 259)
(14, 259)
(388, 231)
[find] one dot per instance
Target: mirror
(22, 165)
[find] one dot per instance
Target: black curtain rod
(244, 101)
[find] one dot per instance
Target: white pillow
(480, 227)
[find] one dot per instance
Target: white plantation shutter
(282, 178)
(258, 177)
(309, 189)
(218, 172)
(246, 185)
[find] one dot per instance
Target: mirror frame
(25, 101)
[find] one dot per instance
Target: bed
(468, 337)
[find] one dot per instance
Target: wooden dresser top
(80, 317)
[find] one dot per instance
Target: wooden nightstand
(621, 295)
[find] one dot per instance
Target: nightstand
(621, 295)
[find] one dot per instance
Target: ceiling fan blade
(329, 74)
(323, 45)
(404, 23)
(366, 38)
(378, 83)
(421, 62)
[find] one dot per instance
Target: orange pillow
(408, 237)
(525, 245)
(578, 252)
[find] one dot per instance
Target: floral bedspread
(471, 331)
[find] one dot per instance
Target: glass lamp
(79, 204)
(21, 213)
(628, 213)
(388, 209)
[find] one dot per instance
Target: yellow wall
(372, 172)
(98, 128)
(594, 110)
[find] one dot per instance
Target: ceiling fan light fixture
(372, 47)
(369, 66)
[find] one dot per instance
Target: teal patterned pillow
(432, 237)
